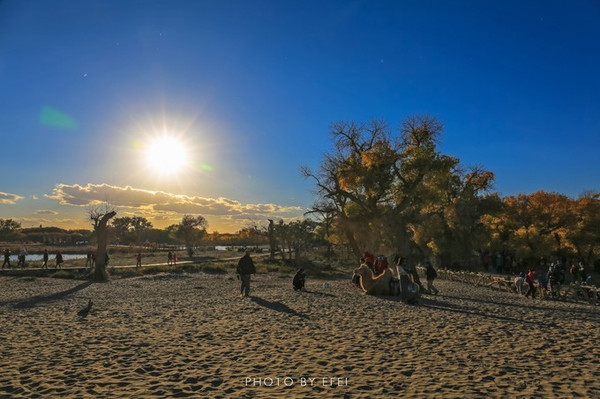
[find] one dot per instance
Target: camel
(371, 285)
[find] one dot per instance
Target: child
(299, 280)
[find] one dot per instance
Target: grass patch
(66, 274)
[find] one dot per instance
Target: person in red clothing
(381, 263)
(530, 278)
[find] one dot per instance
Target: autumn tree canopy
(396, 192)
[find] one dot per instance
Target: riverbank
(191, 335)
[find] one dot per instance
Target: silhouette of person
(245, 268)
(45, 259)
(6, 258)
(59, 259)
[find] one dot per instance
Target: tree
(585, 234)
(534, 225)
(190, 231)
(100, 217)
(398, 192)
(131, 229)
(9, 228)
(295, 236)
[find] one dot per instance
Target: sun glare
(166, 155)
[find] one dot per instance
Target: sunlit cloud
(156, 202)
(9, 199)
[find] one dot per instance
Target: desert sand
(194, 336)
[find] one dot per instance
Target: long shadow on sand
(31, 302)
(451, 307)
(530, 306)
(277, 306)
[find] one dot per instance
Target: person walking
(45, 259)
(431, 275)
(244, 269)
(169, 258)
(59, 259)
(22, 256)
(138, 259)
(530, 279)
(6, 258)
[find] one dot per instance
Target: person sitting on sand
(245, 268)
(381, 263)
(299, 280)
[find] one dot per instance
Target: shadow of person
(277, 306)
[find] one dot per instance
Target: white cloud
(158, 202)
(9, 199)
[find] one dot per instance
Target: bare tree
(100, 216)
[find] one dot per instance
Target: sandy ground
(194, 336)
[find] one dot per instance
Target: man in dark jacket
(245, 268)
(431, 274)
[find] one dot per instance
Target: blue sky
(250, 88)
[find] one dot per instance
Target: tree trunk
(353, 244)
(272, 240)
(100, 273)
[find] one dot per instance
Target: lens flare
(53, 117)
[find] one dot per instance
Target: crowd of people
(551, 278)
(22, 258)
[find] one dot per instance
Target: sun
(166, 155)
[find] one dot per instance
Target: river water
(39, 257)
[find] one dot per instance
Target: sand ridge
(194, 336)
